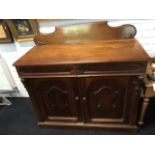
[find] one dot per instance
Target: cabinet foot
(143, 110)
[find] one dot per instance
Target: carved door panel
(105, 99)
(58, 97)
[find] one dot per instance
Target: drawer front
(46, 70)
(82, 69)
(100, 68)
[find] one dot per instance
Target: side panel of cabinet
(106, 99)
(56, 98)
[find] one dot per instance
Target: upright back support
(84, 33)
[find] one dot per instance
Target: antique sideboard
(85, 76)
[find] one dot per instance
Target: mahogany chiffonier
(85, 76)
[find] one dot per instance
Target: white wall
(11, 52)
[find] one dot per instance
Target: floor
(20, 119)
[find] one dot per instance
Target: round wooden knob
(76, 98)
(84, 98)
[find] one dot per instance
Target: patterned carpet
(20, 119)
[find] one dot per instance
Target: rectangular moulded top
(128, 50)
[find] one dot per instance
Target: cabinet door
(105, 98)
(57, 98)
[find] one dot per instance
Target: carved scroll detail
(84, 33)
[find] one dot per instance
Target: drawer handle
(76, 98)
(84, 98)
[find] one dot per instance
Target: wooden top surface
(128, 50)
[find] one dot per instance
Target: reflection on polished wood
(85, 33)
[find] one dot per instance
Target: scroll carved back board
(85, 33)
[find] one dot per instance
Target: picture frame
(22, 29)
(5, 34)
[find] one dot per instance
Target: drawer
(82, 69)
(46, 70)
(127, 67)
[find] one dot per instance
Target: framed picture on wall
(5, 35)
(22, 29)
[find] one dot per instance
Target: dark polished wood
(96, 52)
(105, 97)
(85, 81)
(82, 33)
(60, 96)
